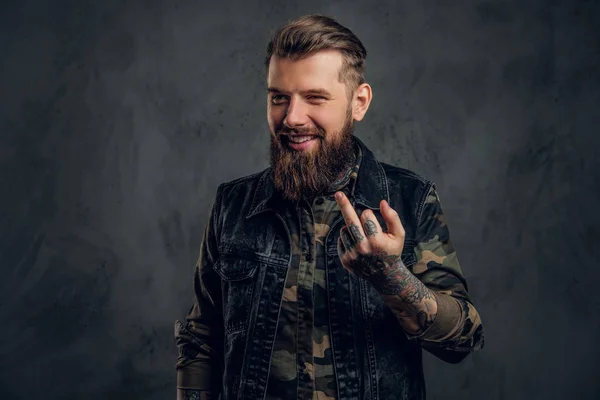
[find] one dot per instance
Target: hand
(364, 249)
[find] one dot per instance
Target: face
(311, 117)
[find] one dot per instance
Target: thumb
(392, 219)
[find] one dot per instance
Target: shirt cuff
(447, 322)
(194, 375)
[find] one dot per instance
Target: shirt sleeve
(198, 338)
(457, 326)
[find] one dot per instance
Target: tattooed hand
(374, 255)
(363, 247)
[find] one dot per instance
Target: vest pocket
(237, 285)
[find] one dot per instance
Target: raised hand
(363, 247)
(371, 254)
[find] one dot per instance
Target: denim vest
(373, 359)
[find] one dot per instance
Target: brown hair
(309, 34)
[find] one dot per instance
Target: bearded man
(325, 275)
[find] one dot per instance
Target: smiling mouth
(301, 138)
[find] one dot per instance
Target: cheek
(275, 118)
(329, 120)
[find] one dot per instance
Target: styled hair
(307, 35)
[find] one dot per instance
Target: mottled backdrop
(118, 120)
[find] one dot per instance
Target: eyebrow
(319, 91)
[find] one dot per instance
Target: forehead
(320, 69)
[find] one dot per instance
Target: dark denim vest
(373, 359)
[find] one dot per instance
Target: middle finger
(350, 217)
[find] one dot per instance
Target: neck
(344, 174)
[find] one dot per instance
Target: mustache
(300, 131)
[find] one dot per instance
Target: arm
(431, 301)
(198, 339)
(413, 303)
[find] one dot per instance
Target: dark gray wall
(119, 119)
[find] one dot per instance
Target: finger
(349, 245)
(358, 235)
(347, 239)
(340, 248)
(342, 254)
(370, 225)
(350, 216)
(392, 220)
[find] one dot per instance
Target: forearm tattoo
(190, 394)
(424, 319)
(396, 279)
(408, 298)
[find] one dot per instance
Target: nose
(295, 115)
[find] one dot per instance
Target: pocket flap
(235, 269)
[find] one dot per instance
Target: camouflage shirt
(301, 363)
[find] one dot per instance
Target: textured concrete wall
(118, 120)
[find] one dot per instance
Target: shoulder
(244, 180)
(408, 189)
(243, 183)
(407, 182)
(393, 172)
(242, 188)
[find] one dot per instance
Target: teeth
(299, 139)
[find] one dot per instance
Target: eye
(278, 99)
(316, 98)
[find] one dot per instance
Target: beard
(307, 174)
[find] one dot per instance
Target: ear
(360, 101)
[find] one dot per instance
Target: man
(325, 275)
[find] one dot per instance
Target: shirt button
(319, 201)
